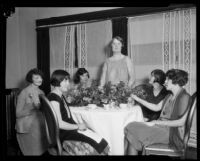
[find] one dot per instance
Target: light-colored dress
(117, 71)
(30, 122)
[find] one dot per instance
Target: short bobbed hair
(159, 76)
(34, 71)
(58, 76)
(119, 39)
(177, 76)
(79, 73)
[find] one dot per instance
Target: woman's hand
(135, 97)
(131, 101)
(82, 127)
(69, 99)
(34, 99)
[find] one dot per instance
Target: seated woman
(81, 78)
(170, 125)
(155, 95)
(69, 129)
(29, 122)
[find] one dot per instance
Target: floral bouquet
(144, 91)
(110, 94)
(84, 96)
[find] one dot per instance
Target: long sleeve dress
(30, 123)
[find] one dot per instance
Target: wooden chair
(55, 146)
(169, 150)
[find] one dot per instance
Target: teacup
(92, 106)
(106, 106)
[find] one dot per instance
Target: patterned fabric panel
(79, 148)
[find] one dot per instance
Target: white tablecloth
(108, 123)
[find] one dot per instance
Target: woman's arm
(62, 124)
(103, 76)
(182, 106)
(130, 71)
(172, 123)
(23, 108)
(151, 106)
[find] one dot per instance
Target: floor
(13, 150)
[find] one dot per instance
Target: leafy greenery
(118, 94)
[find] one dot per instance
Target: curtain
(119, 28)
(82, 45)
(179, 39)
(57, 48)
(179, 48)
(164, 41)
(68, 48)
(43, 57)
(98, 38)
(145, 44)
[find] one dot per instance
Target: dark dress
(154, 115)
(73, 134)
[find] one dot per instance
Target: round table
(109, 123)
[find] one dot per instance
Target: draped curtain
(69, 49)
(82, 45)
(62, 48)
(119, 28)
(98, 38)
(43, 57)
(145, 44)
(57, 47)
(179, 39)
(164, 40)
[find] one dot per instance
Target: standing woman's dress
(117, 71)
(73, 134)
(30, 123)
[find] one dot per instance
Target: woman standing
(118, 67)
(29, 122)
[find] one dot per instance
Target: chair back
(51, 124)
(189, 120)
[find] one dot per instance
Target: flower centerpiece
(84, 96)
(144, 91)
(114, 94)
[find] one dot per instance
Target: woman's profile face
(116, 45)
(168, 84)
(151, 79)
(84, 78)
(37, 80)
(64, 85)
